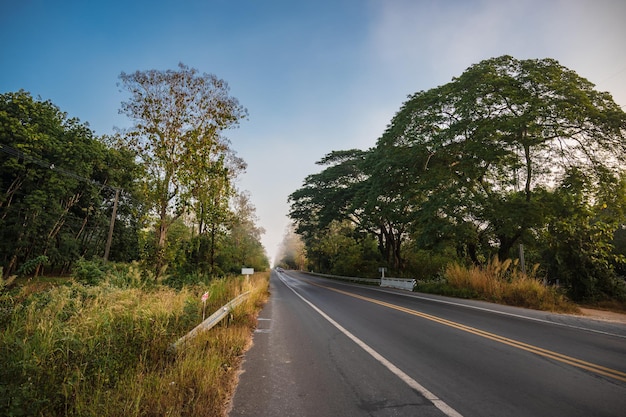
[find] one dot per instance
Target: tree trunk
(529, 171)
(472, 253)
(506, 243)
(161, 239)
(399, 263)
(213, 233)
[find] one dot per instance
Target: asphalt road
(326, 348)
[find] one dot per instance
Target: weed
(100, 349)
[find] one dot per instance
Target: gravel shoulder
(603, 315)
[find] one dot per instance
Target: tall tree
(351, 189)
(328, 195)
(488, 145)
(179, 118)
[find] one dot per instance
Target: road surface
(326, 348)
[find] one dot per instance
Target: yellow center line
(598, 369)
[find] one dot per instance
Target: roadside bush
(31, 265)
(427, 265)
(503, 282)
(180, 280)
(130, 275)
(90, 272)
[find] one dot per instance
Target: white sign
(247, 271)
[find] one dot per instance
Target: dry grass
(103, 350)
(503, 282)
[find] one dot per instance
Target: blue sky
(315, 76)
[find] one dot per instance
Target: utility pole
(111, 226)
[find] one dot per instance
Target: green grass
(102, 350)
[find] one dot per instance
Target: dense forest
(513, 159)
(161, 193)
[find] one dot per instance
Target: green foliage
(29, 266)
(426, 265)
(181, 280)
(128, 275)
(90, 272)
(52, 202)
(57, 195)
(179, 118)
(479, 166)
(579, 249)
(79, 350)
(338, 250)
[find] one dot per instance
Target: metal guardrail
(400, 283)
(342, 278)
(211, 321)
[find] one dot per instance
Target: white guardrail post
(211, 321)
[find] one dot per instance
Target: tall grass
(102, 350)
(504, 282)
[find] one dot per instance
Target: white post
(205, 297)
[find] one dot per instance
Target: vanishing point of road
(327, 348)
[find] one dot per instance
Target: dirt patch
(604, 315)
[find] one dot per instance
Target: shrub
(427, 265)
(29, 266)
(503, 282)
(89, 272)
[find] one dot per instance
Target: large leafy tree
(179, 117)
(484, 148)
(482, 164)
(329, 195)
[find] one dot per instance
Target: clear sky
(315, 76)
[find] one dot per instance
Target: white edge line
(519, 316)
(489, 310)
(437, 402)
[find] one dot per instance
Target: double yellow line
(598, 369)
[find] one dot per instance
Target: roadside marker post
(247, 272)
(205, 297)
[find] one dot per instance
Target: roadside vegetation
(516, 160)
(500, 282)
(104, 348)
(107, 244)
